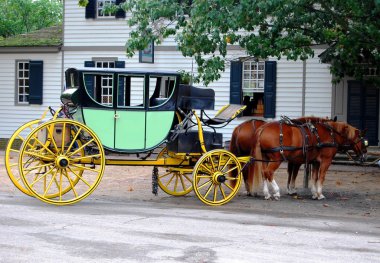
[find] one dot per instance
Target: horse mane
(312, 119)
(344, 128)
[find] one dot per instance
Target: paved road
(166, 230)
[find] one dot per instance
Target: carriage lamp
(365, 142)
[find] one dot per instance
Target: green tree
(349, 29)
(23, 16)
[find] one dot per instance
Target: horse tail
(258, 164)
(234, 148)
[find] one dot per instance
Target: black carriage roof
(124, 70)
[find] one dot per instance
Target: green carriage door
(130, 115)
(100, 118)
(161, 109)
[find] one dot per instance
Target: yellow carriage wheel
(173, 181)
(12, 153)
(61, 162)
(212, 177)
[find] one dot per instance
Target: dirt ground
(351, 191)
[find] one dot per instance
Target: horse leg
(292, 176)
(246, 182)
(290, 173)
(322, 174)
(314, 179)
(269, 176)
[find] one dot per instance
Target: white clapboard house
(270, 88)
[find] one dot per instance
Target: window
(100, 7)
(95, 9)
(253, 87)
(104, 84)
(23, 82)
(131, 91)
(253, 83)
(29, 82)
(161, 89)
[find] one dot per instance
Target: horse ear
(335, 118)
(363, 132)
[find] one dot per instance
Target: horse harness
(305, 138)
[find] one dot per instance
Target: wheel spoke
(20, 137)
(85, 157)
(63, 137)
(36, 167)
(188, 178)
(222, 191)
(204, 176)
(204, 184)
(176, 183)
(234, 168)
(212, 163)
(206, 168)
(44, 157)
(50, 183)
(85, 168)
(42, 176)
(71, 183)
(80, 177)
(215, 192)
(220, 161)
(171, 179)
(208, 191)
(60, 185)
(51, 136)
(73, 140)
(182, 182)
(164, 175)
(44, 146)
(229, 186)
(225, 165)
(80, 148)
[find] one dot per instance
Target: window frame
(17, 83)
(99, 10)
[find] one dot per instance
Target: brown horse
(241, 144)
(324, 140)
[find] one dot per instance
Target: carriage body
(62, 159)
(130, 111)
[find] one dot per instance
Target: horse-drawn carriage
(61, 160)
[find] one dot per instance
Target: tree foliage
(203, 29)
(23, 16)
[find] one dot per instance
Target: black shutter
(119, 64)
(235, 82)
(89, 79)
(120, 13)
(270, 89)
(36, 81)
(91, 9)
(89, 64)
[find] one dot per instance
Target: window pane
(26, 65)
(26, 74)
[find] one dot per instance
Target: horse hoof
(249, 194)
(314, 197)
(292, 193)
(321, 197)
(268, 197)
(277, 198)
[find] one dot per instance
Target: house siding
(13, 115)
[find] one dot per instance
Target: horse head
(355, 141)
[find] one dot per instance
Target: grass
(51, 36)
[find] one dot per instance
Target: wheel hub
(219, 178)
(62, 161)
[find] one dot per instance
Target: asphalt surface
(123, 222)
